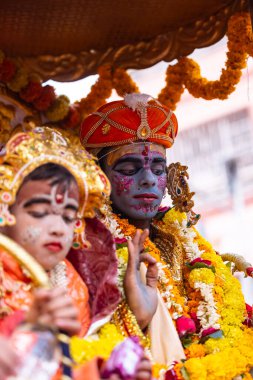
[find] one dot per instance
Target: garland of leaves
(184, 74)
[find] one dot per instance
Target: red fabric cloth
(98, 267)
(11, 322)
(17, 290)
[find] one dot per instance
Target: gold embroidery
(105, 129)
(172, 252)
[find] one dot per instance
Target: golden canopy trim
(77, 39)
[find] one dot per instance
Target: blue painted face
(138, 179)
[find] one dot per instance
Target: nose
(147, 178)
(57, 226)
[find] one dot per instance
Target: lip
(54, 246)
(146, 196)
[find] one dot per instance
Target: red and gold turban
(138, 117)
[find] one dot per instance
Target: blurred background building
(215, 141)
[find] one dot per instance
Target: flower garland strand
(123, 83)
(213, 295)
(186, 73)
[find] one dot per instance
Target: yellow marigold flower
(156, 368)
(19, 81)
(123, 253)
(195, 351)
(201, 275)
(172, 216)
(59, 109)
(83, 350)
(196, 369)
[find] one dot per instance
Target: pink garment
(98, 267)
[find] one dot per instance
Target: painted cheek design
(162, 182)
(122, 184)
(31, 234)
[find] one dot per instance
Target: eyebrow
(138, 160)
(46, 201)
(71, 207)
(159, 159)
(36, 201)
(128, 159)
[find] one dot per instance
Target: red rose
(249, 310)
(248, 322)
(46, 99)
(163, 208)
(199, 260)
(7, 70)
(170, 375)
(249, 271)
(209, 331)
(120, 240)
(31, 92)
(185, 326)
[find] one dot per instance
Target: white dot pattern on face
(31, 234)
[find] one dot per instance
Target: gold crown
(26, 151)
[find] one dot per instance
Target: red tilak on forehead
(145, 151)
(59, 198)
(61, 189)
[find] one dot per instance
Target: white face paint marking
(58, 201)
(31, 234)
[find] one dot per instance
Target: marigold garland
(123, 83)
(100, 91)
(102, 345)
(210, 358)
(186, 73)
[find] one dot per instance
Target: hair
(102, 157)
(57, 173)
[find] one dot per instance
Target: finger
(147, 258)
(45, 319)
(133, 257)
(58, 291)
(136, 238)
(66, 313)
(41, 294)
(144, 365)
(143, 375)
(143, 237)
(68, 325)
(152, 269)
(59, 303)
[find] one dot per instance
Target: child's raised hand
(141, 298)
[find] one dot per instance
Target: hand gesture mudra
(141, 297)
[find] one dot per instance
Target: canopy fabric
(66, 41)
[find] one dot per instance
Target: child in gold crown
(46, 191)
